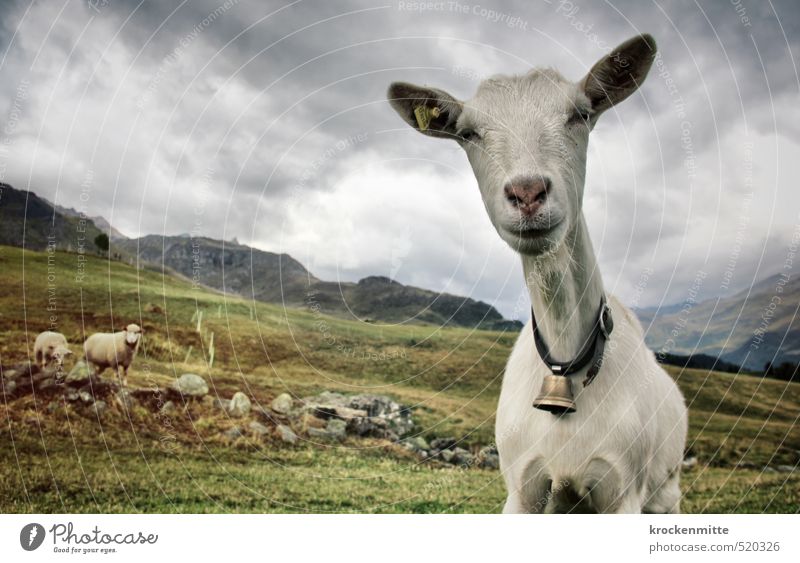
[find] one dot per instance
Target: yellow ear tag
(424, 115)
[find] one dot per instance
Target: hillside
(449, 377)
(731, 327)
(31, 221)
(279, 278)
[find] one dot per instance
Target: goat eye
(579, 116)
(469, 135)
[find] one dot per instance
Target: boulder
(488, 458)
(443, 443)
(220, 403)
(337, 429)
(80, 373)
(286, 434)
(463, 457)
(258, 429)
(124, 399)
(168, 408)
(99, 408)
(239, 405)
(447, 456)
(282, 404)
(416, 444)
(233, 433)
(190, 385)
(9, 386)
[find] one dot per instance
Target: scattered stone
(53, 406)
(447, 456)
(416, 444)
(72, 395)
(239, 405)
(168, 408)
(786, 468)
(318, 434)
(463, 457)
(99, 408)
(125, 399)
(443, 443)
(9, 387)
(223, 404)
(286, 434)
(80, 373)
(190, 384)
(258, 429)
(85, 396)
(689, 462)
(233, 433)
(337, 429)
(488, 458)
(282, 404)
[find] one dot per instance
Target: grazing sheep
(50, 347)
(113, 350)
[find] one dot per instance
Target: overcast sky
(268, 122)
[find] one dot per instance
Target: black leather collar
(591, 351)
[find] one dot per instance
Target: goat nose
(527, 193)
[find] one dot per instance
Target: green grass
(61, 459)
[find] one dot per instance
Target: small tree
(101, 242)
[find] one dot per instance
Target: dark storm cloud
(267, 121)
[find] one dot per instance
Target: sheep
(619, 445)
(113, 350)
(51, 347)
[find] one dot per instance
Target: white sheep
(51, 347)
(113, 350)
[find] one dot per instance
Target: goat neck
(565, 288)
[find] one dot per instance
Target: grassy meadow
(59, 458)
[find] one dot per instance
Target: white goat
(51, 347)
(113, 350)
(526, 138)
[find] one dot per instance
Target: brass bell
(556, 395)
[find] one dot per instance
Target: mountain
(31, 221)
(279, 278)
(99, 222)
(749, 329)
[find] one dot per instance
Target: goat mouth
(533, 233)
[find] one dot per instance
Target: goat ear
(428, 110)
(617, 75)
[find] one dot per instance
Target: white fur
(622, 450)
(50, 347)
(113, 350)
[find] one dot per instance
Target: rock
(333, 411)
(768, 469)
(72, 395)
(286, 434)
(447, 456)
(258, 429)
(240, 405)
(53, 406)
(488, 458)
(233, 433)
(282, 404)
(463, 457)
(443, 443)
(190, 385)
(337, 429)
(85, 396)
(416, 444)
(124, 399)
(80, 373)
(9, 386)
(786, 468)
(223, 404)
(318, 434)
(168, 408)
(368, 426)
(99, 408)
(689, 462)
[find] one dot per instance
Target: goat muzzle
(556, 395)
